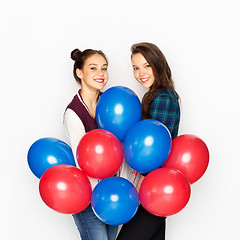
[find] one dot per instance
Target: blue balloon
(115, 200)
(118, 109)
(47, 152)
(147, 145)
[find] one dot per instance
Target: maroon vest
(78, 107)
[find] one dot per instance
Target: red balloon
(189, 155)
(99, 154)
(164, 192)
(65, 189)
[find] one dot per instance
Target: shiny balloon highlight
(190, 156)
(65, 189)
(172, 165)
(118, 109)
(47, 152)
(115, 200)
(164, 192)
(147, 145)
(99, 154)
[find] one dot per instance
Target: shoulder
(167, 94)
(72, 114)
(75, 103)
(77, 106)
(70, 117)
(165, 98)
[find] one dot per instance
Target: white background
(201, 43)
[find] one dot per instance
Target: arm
(139, 182)
(74, 129)
(165, 108)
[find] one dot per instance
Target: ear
(79, 73)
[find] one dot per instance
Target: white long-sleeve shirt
(78, 121)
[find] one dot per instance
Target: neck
(90, 98)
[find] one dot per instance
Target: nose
(141, 72)
(100, 73)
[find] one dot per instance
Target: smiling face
(94, 74)
(142, 71)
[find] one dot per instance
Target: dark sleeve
(165, 108)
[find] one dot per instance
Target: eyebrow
(97, 64)
(146, 63)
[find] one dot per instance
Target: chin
(101, 87)
(146, 85)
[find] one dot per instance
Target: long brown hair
(161, 71)
(80, 57)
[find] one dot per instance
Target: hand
(139, 183)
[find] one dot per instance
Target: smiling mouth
(143, 80)
(99, 80)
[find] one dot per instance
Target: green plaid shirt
(165, 108)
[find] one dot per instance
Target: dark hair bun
(75, 54)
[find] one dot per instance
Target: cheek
(150, 72)
(86, 74)
(135, 75)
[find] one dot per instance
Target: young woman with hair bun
(152, 71)
(90, 71)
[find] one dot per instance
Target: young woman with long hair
(161, 102)
(90, 71)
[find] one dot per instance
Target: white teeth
(144, 80)
(99, 80)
